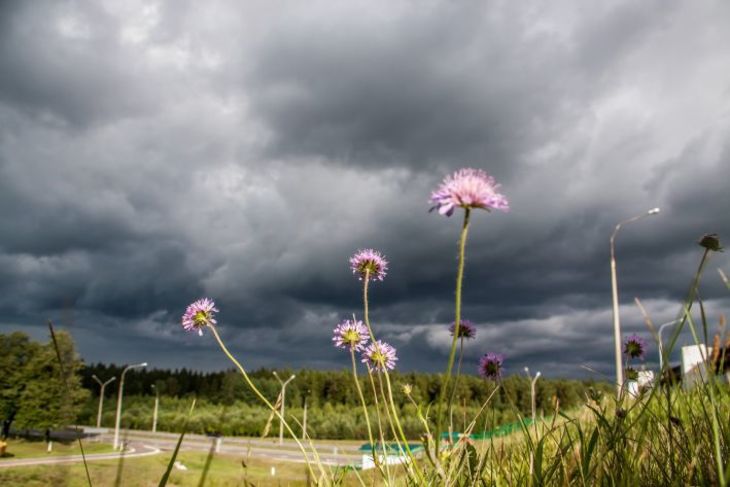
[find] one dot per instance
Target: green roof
(390, 448)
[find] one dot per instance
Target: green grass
(225, 470)
(20, 448)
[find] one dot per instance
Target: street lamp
(157, 403)
(661, 344)
(119, 401)
(614, 291)
(283, 401)
(533, 402)
(101, 397)
(304, 419)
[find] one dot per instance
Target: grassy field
(224, 470)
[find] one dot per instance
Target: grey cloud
(151, 154)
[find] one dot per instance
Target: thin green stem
(64, 377)
(364, 407)
(711, 388)
(388, 411)
(457, 325)
(456, 383)
(380, 421)
(263, 398)
(400, 431)
(366, 307)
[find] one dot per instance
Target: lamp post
(614, 292)
(661, 343)
(304, 419)
(157, 404)
(119, 402)
(101, 397)
(283, 402)
(533, 402)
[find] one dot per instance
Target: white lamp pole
(283, 401)
(661, 343)
(101, 397)
(157, 404)
(533, 401)
(119, 402)
(614, 292)
(304, 419)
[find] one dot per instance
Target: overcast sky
(152, 153)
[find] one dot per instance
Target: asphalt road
(329, 453)
(145, 443)
(134, 451)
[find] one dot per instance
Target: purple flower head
(352, 335)
(379, 356)
(199, 314)
(370, 262)
(466, 329)
(635, 347)
(490, 365)
(468, 188)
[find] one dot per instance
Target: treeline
(35, 391)
(336, 388)
(35, 395)
(226, 406)
(330, 421)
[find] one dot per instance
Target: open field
(224, 470)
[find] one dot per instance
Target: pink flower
(466, 329)
(352, 335)
(468, 188)
(379, 356)
(370, 262)
(490, 365)
(199, 314)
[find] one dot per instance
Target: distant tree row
(34, 394)
(336, 387)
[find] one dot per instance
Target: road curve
(136, 451)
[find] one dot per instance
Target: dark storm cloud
(152, 153)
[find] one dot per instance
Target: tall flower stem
(364, 406)
(366, 307)
(456, 382)
(388, 411)
(422, 481)
(457, 323)
(380, 421)
(263, 398)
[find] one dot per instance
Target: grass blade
(65, 379)
(166, 476)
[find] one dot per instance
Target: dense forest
(331, 387)
(227, 406)
(34, 394)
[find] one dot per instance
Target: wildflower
(490, 365)
(466, 329)
(711, 241)
(379, 356)
(468, 188)
(351, 335)
(635, 347)
(595, 394)
(369, 261)
(407, 389)
(199, 314)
